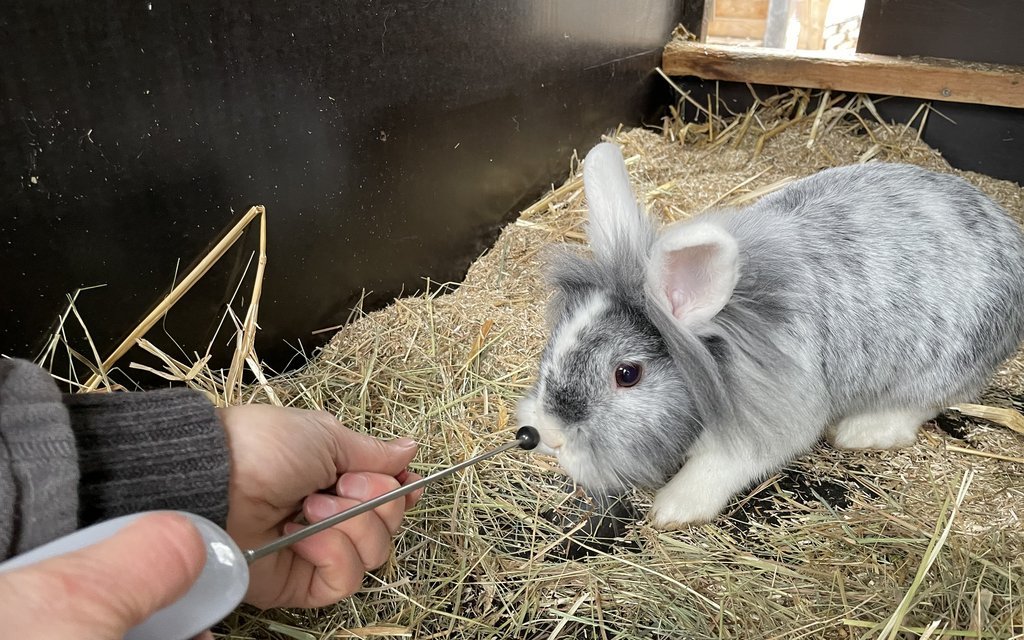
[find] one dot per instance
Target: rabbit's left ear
(692, 271)
(617, 226)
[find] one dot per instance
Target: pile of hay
(923, 542)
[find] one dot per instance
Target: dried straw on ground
(923, 542)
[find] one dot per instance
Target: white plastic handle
(220, 587)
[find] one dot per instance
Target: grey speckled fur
(866, 298)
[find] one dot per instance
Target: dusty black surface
(388, 140)
(583, 525)
(594, 524)
(954, 424)
(805, 488)
(980, 31)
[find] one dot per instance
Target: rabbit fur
(855, 303)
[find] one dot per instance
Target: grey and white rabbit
(855, 303)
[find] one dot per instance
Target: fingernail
(320, 506)
(354, 485)
(403, 443)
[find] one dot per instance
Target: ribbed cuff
(38, 471)
(149, 450)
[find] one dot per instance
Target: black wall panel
(989, 140)
(388, 141)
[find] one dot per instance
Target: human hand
(281, 458)
(107, 588)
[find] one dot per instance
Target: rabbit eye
(627, 374)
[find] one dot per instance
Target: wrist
(150, 450)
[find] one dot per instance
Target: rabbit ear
(692, 272)
(617, 223)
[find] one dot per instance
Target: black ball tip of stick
(528, 438)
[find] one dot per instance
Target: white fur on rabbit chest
(853, 304)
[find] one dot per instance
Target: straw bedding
(922, 542)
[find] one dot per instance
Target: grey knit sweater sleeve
(67, 461)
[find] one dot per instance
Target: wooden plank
(751, 9)
(912, 77)
(736, 28)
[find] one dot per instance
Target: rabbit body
(856, 303)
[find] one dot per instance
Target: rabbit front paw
(674, 511)
(706, 483)
(700, 491)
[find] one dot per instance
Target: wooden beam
(911, 77)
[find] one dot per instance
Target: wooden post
(696, 15)
(812, 15)
(777, 25)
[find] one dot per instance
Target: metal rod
(251, 555)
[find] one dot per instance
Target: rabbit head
(628, 376)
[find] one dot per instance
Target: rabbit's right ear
(693, 271)
(617, 225)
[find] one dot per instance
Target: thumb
(359, 452)
(104, 590)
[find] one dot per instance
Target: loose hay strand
(246, 335)
(931, 554)
(1009, 418)
(172, 298)
(984, 454)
